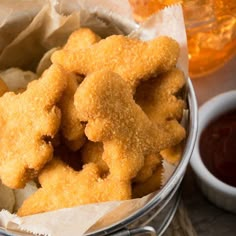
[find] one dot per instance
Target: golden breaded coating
(92, 152)
(3, 87)
(115, 119)
(81, 38)
(151, 163)
(28, 121)
(71, 127)
(162, 101)
(159, 97)
(132, 59)
(173, 154)
(63, 187)
(96, 125)
(152, 184)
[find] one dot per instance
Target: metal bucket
(164, 204)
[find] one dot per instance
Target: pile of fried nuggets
(96, 125)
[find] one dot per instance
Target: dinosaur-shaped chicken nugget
(81, 38)
(162, 99)
(106, 102)
(150, 185)
(71, 127)
(132, 59)
(28, 121)
(151, 163)
(92, 152)
(64, 187)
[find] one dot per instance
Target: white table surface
(207, 219)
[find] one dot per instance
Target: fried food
(92, 153)
(71, 127)
(81, 38)
(151, 163)
(3, 87)
(28, 121)
(97, 124)
(133, 59)
(75, 188)
(161, 99)
(114, 119)
(152, 184)
(172, 154)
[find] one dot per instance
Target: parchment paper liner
(27, 43)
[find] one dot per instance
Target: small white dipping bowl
(221, 194)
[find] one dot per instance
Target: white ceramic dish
(221, 194)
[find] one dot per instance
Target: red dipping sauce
(218, 147)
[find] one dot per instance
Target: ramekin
(218, 192)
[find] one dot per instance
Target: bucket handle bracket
(143, 230)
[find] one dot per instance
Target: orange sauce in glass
(212, 42)
(218, 147)
(210, 28)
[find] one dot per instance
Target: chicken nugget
(3, 87)
(161, 97)
(105, 102)
(163, 101)
(28, 122)
(132, 59)
(151, 163)
(71, 127)
(152, 184)
(75, 188)
(92, 152)
(173, 154)
(81, 38)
